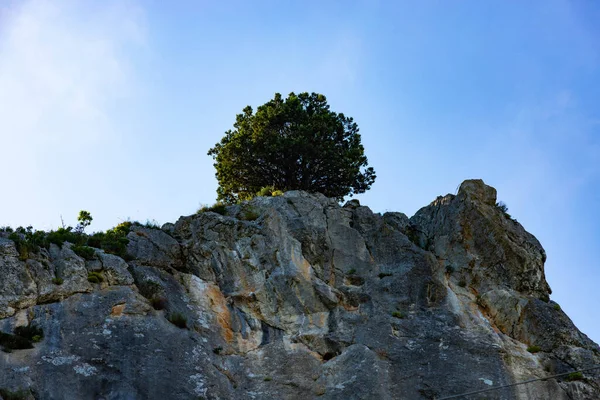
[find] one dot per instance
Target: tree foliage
(293, 143)
(85, 219)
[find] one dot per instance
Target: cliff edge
(297, 297)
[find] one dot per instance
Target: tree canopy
(294, 143)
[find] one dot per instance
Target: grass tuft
(534, 349)
(95, 277)
(178, 319)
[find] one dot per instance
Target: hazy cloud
(63, 65)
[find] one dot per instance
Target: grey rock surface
(296, 297)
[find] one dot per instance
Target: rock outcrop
(296, 297)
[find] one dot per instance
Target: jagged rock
(153, 247)
(296, 297)
(115, 269)
(17, 288)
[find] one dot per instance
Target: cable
(456, 396)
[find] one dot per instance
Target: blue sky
(111, 107)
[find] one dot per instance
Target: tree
(296, 143)
(84, 219)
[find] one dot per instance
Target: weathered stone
(153, 247)
(115, 269)
(296, 297)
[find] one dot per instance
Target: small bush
(218, 207)
(574, 376)
(150, 288)
(84, 252)
(504, 210)
(397, 314)
(23, 242)
(30, 332)
(217, 350)
(62, 235)
(10, 395)
(266, 191)
(462, 283)
(276, 193)
(158, 302)
(534, 349)
(449, 269)
(267, 379)
(14, 342)
(557, 307)
(351, 271)
(502, 206)
(57, 281)
(95, 277)
(249, 214)
(151, 224)
(113, 241)
(384, 274)
(178, 319)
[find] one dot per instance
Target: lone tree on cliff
(293, 143)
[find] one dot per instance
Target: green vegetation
(267, 379)
(85, 252)
(556, 306)
(504, 209)
(57, 281)
(293, 143)
(158, 302)
(574, 376)
(23, 338)
(30, 332)
(269, 191)
(84, 219)
(178, 319)
(10, 395)
(27, 241)
(217, 350)
(534, 349)
(95, 277)
(150, 288)
(397, 314)
(149, 224)
(62, 235)
(351, 271)
(114, 241)
(249, 214)
(462, 282)
(218, 207)
(14, 342)
(417, 237)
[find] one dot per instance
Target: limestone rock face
(296, 297)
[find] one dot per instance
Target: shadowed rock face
(295, 297)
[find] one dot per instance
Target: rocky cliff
(296, 297)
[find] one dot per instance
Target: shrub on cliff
(114, 241)
(294, 143)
